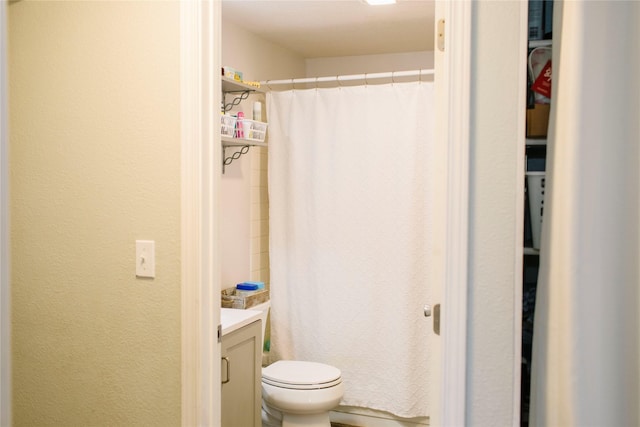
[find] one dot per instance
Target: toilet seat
(301, 375)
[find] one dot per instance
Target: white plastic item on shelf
(254, 130)
(227, 125)
(535, 189)
(257, 111)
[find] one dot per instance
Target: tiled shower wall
(259, 216)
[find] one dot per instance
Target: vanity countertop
(233, 318)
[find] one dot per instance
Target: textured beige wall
(344, 65)
(95, 165)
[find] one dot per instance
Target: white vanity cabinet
(241, 376)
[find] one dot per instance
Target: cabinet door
(241, 376)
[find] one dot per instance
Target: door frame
(200, 92)
(5, 290)
(201, 166)
(200, 163)
(519, 210)
(455, 105)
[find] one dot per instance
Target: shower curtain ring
(316, 82)
(366, 82)
(293, 84)
(338, 80)
(393, 81)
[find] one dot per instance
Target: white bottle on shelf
(257, 111)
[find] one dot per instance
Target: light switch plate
(145, 258)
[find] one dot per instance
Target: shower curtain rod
(366, 77)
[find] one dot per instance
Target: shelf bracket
(236, 100)
(235, 156)
(441, 35)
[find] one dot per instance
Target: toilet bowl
(297, 393)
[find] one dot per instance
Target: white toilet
(297, 393)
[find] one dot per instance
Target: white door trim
(519, 209)
(200, 169)
(457, 65)
(5, 290)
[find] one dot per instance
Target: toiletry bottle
(257, 111)
(239, 127)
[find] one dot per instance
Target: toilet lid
(299, 374)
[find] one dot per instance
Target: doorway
(458, 209)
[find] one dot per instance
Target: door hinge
(440, 38)
(435, 312)
(219, 333)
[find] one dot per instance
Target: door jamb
(519, 209)
(457, 65)
(200, 170)
(200, 256)
(5, 290)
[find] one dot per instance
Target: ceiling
(327, 28)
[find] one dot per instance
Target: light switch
(145, 258)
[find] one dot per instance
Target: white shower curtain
(350, 200)
(585, 367)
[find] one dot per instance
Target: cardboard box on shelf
(538, 121)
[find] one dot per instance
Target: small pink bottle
(239, 129)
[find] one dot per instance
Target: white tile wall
(259, 216)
